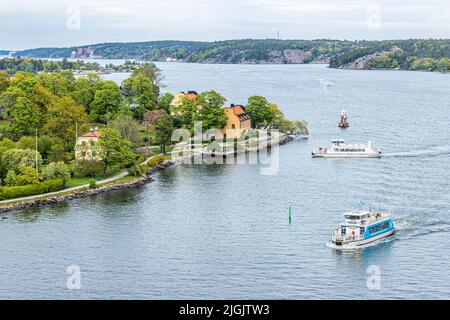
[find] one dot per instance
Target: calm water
(222, 231)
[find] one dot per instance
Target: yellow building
(238, 122)
(178, 98)
(86, 147)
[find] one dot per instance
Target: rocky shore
(39, 202)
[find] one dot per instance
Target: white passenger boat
(362, 228)
(339, 149)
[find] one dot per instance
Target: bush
(145, 168)
(156, 160)
(135, 171)
(31, 190)
(11, 178)
(27, 176)
(87, 168)
(56, 170)
(92, 183)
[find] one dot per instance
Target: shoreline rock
(39, 202)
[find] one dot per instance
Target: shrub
(10, 179)
(56, 170)
(156, 160)
(86, 168)
(135, 170)
(92, 183)
(144, 167)
(31, 190)
(27, 175)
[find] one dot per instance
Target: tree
(164, 101)
(84, 89)
(141, 94)
(12, 158)
(25, 118)
(57, 153)
(63, 113)
(4, 81)
(26, 142)
(186, 111)
(6, 144)
(115, 151)
(57, 83)
(128, 127)
(298, 127)
(107, 101)
(151, 73)
(56, 170)
(210, 112)
(164, 129)
(259, 110)
(278, 115)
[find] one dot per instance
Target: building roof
(92, 134)
(239, 111)
(191, 95)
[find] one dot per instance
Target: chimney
(232, 105)
(91, 129)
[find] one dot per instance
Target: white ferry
(362, 228)
(339, 149)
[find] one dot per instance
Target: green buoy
(290, 214)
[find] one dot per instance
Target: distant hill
(414, 54)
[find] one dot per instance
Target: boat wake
(430, 152)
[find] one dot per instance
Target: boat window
(379, 227)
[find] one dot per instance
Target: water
(222, 231)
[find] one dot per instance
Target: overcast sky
(42, 23)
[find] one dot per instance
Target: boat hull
(351, 245)
(346, 155)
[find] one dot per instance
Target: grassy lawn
(75, 182)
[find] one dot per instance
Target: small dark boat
(344, 121)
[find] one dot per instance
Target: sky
(60, 23)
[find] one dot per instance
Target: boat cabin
(357, 217)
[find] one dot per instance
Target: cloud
(43, 22)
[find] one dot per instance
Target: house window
(92, 143)
(83, 143)
(233, 126)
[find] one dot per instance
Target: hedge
(31, 189)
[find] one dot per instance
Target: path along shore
(108, 184)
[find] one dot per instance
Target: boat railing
(347, 238)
